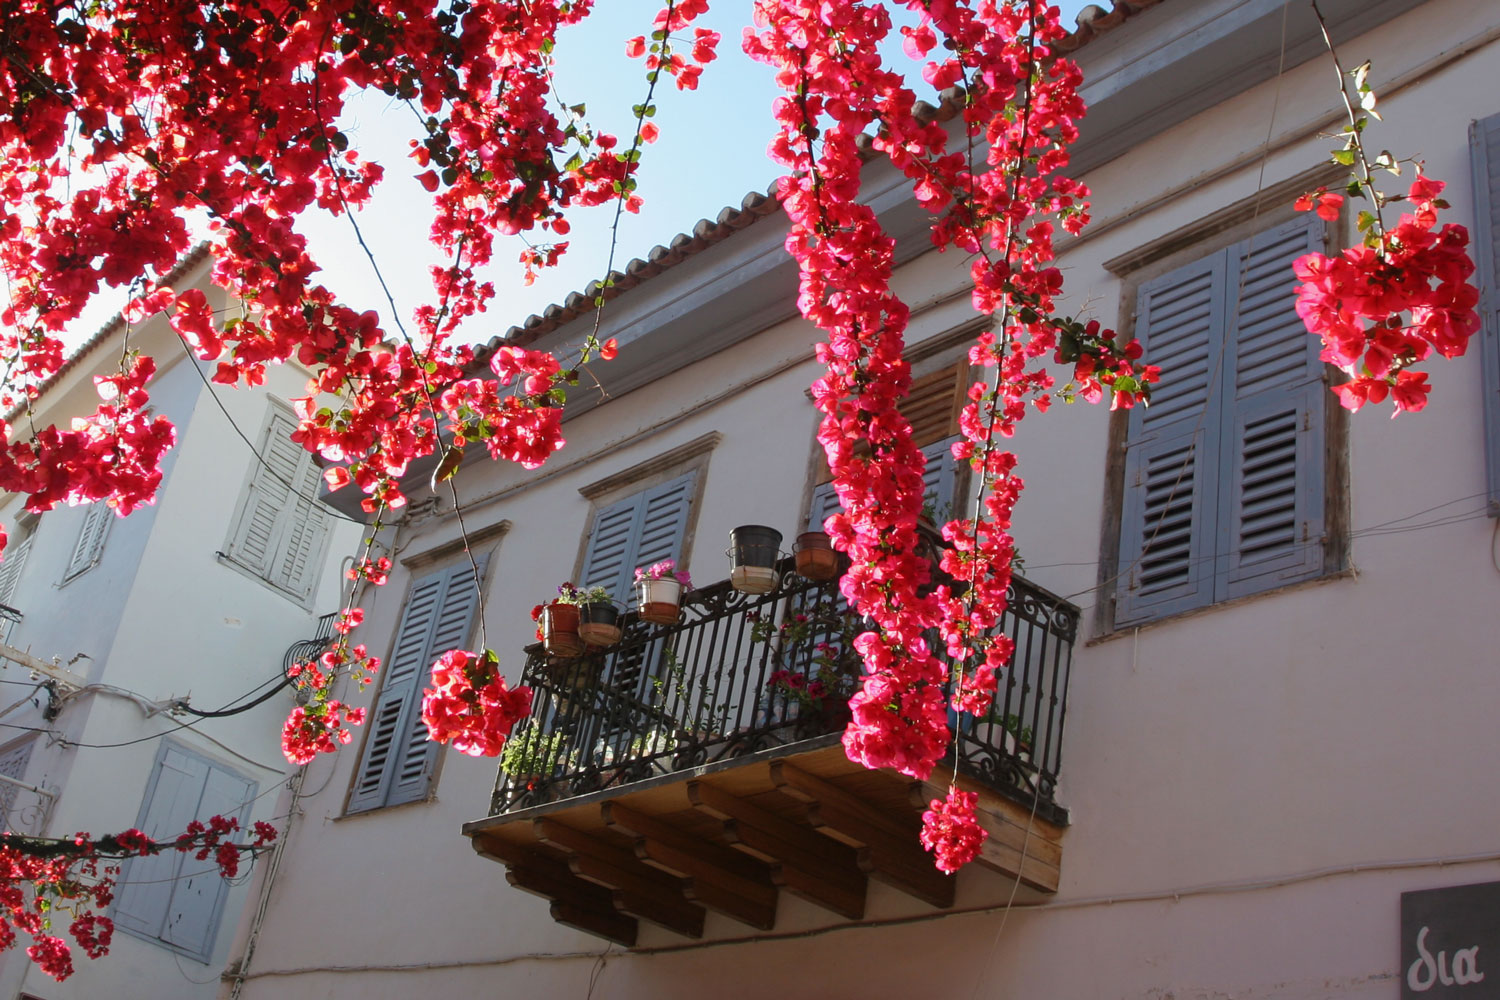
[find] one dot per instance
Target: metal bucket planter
(753, 552)
(560, 630)
(599, 623)
(816, 557)
(659, 601)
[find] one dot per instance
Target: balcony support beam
(637, 889)
(576, 903)
(817, 868)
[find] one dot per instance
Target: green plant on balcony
(818, 667)
(531, 753)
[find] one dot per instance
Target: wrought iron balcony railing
(742, 673)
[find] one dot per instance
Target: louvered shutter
(90, 545)
(664, 517)
(933, 404)
(398, 757)
(1271, 470)
(1169, 511)
(609, 560)
(1484, 143)
(638, 531)
(173, 896)
(302, 541)
(281, 527)
(10, 569)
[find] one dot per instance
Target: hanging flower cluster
(1387, 304)
(1003, 208)
(469, 704)
(322, 725)
(44, 881)
(951, 832)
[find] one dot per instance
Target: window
(398, 759)
(932, 408)
(173, 898)
(1484, 141)
(1224, 475)
(89, 548)
(13, 761)
(280, 528)
(641, 529)
(12, 562)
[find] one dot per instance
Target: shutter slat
(933, 404)
(611, 547)
(1176, 317)
(1166, 525)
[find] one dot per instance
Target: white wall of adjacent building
(159, 616)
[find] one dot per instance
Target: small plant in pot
(557, 623)
(598, 617)
(658, 590)
(531, 754)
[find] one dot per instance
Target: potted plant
(815, 556)
(753, 551)
(598, 617)
(658, 590)
(531, 754)
(557, 622)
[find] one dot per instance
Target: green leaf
(1366, 221)
(1361, 74)
(1344, 157)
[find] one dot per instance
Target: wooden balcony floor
(730, 837)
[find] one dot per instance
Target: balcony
(698, 766)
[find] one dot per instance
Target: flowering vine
(44, 881)
(1385, 305)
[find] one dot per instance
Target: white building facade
(194, 599)
(1267, 645)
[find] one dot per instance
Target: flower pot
(753, 551)
(599, 623)
(659, 601)
(560, 630)
(816, 558)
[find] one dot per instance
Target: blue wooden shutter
(13, 761)
(1171, 483)
(91, 537)
(172, 896)
(1271, 471)
(398, 758)
(638, 531)
(1484, 143)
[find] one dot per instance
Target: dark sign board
(1450, 943)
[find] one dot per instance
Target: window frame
(98, 520)
(1173, 252)
(1484, 133)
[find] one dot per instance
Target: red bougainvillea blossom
(1388, 303)
(951, 832)
(999, 198)
(470, 705)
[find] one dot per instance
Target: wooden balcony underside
(730, 837)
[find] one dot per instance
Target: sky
(710, 154)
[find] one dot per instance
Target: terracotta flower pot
(560, 630)
(659, 601)
(599, 624)
(816, 557)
